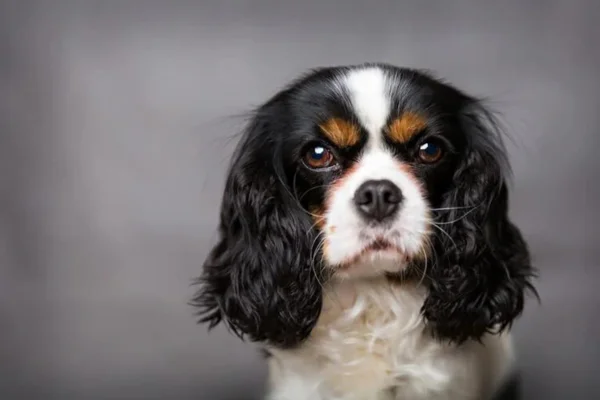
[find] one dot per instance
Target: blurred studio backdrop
(115, 118)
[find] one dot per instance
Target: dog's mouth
(379, 244)
(379, 251)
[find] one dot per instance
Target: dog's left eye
(430, 152)
(318, 157)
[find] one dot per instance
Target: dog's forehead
(353, 102)
(369, 93)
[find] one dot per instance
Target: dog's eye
(430, 152)
(319, 157)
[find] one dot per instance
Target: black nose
(378, 200)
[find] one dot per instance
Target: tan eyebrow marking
(405, 127)
(342, 133)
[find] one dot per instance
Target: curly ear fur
(258, 279)
(483, 266)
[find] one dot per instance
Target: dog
(365, 242)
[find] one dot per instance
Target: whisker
(429, 246)
(285, 186)
(311, 189)
(458, 219)
(445, 233)
(451, 208)
(317, 277)
(424, 272)
(318, 218)
(314, 251)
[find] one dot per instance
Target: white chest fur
(370, 344)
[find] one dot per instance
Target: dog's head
(364, 171)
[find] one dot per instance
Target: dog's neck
(369, 295)
(363, 325)
(371, 343)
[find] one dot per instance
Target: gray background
(115, 121)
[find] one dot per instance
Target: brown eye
(430, 152)
(319, 157)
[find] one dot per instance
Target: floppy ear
(258, 279)
(483, 266)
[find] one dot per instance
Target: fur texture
(418, 305)
(371, 344)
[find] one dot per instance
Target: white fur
(346, 235)
(369, 94)
(370, 342)
(345, 232)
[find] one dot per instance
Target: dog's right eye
(319, 157)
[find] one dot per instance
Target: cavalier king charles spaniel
(365, 240)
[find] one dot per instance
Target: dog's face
(367, 166)
(358, 172)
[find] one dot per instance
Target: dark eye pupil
(429, 148)
(318, 153)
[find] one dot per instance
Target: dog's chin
(374, 261)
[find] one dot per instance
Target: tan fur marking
(318, 215)
(342, 133)
(405, 127)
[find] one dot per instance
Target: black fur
(261, 278)
(483, 266)
(256, 279)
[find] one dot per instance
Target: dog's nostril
(390, 196)
(364, 197)
(378, 199)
